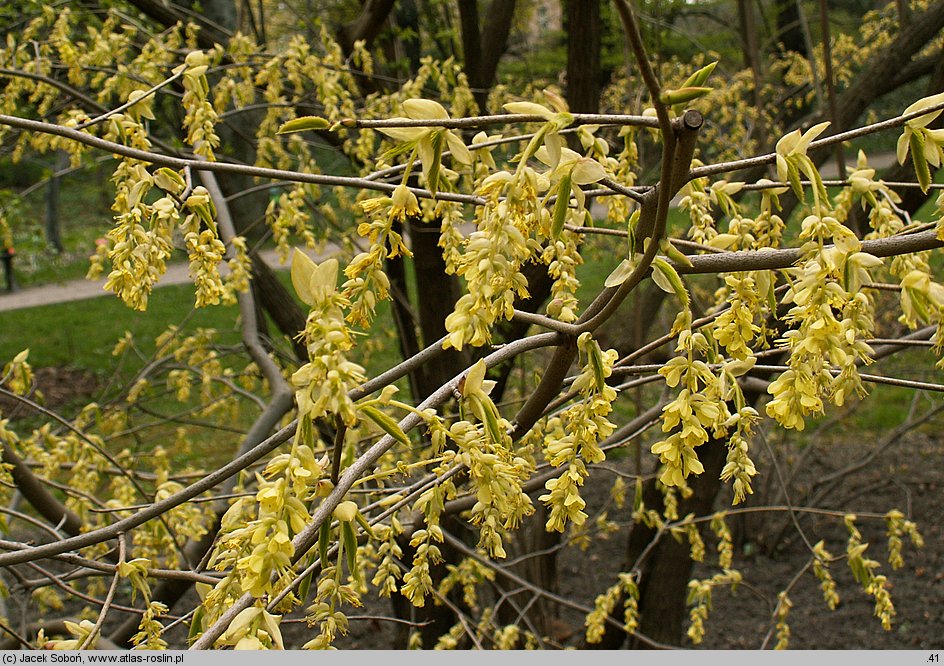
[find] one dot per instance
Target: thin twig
(501, 119)
(770, 158)
(147, 93)
(109, 597)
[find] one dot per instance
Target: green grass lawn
(82, 334)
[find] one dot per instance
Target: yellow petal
(787, 143)
(528, 108)
(240, 624)
(619, 274)
(325, 275)
(403, 134)
(920, 105)
(346, 511)
(458, 149)
(588, 171)
(424, 109)
(809, 136)
(474, 378)
(302, 269)
(904, 142)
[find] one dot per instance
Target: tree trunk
(280, 304)
(790, 27)
(437, 293)
(484, 47)
(405, 322)
(583, 55)
(751, 51)
(668, 567)
(367, 25)
(583, 96)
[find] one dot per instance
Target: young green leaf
(349, 540)
(324, 540)
(305, 586)
(683, 95)
(302, 124)
(699, 77)
(793, 175)
(433, 164)
(922, 172)
(674, 253)
(196, 623)
(560, 207)
(483, 408)
(362, 521)
(596, 362)
(665, 275)
(387, 424)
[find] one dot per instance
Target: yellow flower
(428, 141)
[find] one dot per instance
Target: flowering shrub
(359, 491)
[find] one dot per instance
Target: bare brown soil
(56, 388)
(910, 477)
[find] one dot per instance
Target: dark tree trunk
(538, 569)
(583, 96)
(751, 51)
(38, 496)
(665, 572)
(405, 321)
(367, 25)
(583, 28)
(483, 47)
(433, 620)
(668, 568)
(790, 27)
(436, 294)
(280, 304)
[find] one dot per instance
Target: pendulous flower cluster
(323, 383)
(572, 438)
